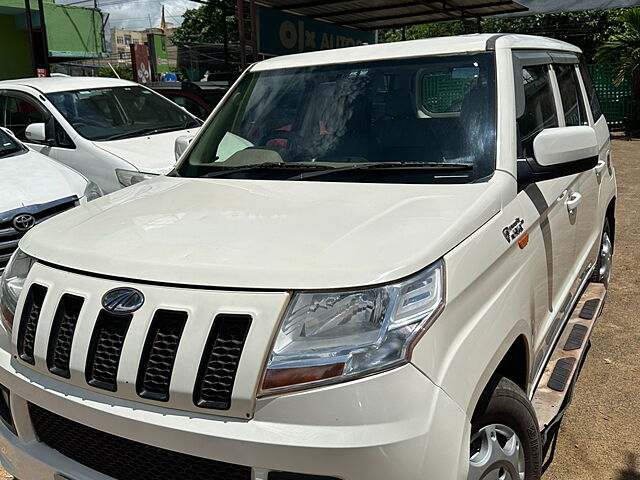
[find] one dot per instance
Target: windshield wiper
(386, 166)
(263, 166)
(144, 131)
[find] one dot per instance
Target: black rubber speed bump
(589, 309)
(576, 337)
(561, 373)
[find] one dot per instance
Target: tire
(602, 271)
(505, 438)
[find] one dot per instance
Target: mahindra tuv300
(381, 262)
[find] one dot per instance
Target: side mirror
(181, 144)
(36, 133)
(559, 152)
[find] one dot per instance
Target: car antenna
(113, 70)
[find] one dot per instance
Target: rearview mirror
(36, 133)
(181, 144)
(559, 152)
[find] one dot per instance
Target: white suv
(113, 131)
(381, 262)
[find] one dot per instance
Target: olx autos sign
(281, 33)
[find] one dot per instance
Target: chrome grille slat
(7, 232)
(9, 244)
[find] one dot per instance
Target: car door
(583, 193)
(19, 110)
(538, 108)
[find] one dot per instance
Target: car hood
(31, 179)
(148, 153)
(264, 234)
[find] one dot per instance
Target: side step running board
(557, 380)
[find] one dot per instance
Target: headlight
(331, 337)
(131, 177)
(11, 285)
(92, 191)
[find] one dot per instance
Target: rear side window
(571, 95)
(594, 103)
(539, 107)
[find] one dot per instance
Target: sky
(141, 14)
(138, 14)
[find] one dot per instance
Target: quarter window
(594, 103)
(539, 108)
(571, 95)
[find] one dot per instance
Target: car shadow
(631, 471)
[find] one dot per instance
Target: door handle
(573, 201)
(600, 167)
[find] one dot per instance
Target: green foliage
(587, 29)
(207, 23)
(623, 49)
(123, 72)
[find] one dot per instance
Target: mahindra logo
(122, 300)
(23, 222)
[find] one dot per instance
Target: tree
(212, 23)
(587, 29)
(623, 49)
(123, 72)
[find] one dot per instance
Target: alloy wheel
(496, 454)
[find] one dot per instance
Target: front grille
(220, 360)
(9, 236)
(29, 322)
(9, 239)
(125, 459)
(159, 354)
(105, 350)
(62, 330)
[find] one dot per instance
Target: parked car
(114, 132)
(33, 188)
(380, 262)
(198, 99)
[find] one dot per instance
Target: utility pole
(225, 34)
(38, 41)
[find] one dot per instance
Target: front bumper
(396, 425)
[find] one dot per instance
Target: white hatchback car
(375, 263)
(33, 188)
(115, 132)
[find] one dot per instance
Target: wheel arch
(512, 363)
(515, 363)
(611, 216)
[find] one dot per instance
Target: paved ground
(600, 436)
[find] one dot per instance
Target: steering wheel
(276, 135)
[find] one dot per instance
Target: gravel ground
(600, 435)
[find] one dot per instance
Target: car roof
(61, 84)
(415, 48)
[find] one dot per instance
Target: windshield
(122, 112)
(427, 120)
(8, 146)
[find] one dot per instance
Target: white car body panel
(32, 178)
(291, 219)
